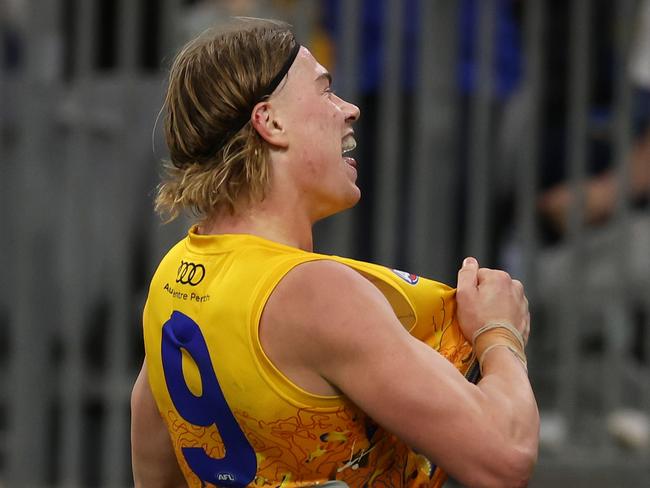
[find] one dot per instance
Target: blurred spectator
(601, 187)
(612, 290)
(602, 182)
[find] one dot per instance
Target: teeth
(349, 143)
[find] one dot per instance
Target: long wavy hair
(215, 162)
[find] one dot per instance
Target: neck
(264, 222)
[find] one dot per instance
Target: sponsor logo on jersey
(190, 273)
(408, 277)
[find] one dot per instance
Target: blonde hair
(214, 82)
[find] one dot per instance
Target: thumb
(468, 275)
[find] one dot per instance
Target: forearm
(490, 430)
(510, 404)
(501, 425)
(501, 413)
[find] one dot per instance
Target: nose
(352, 112)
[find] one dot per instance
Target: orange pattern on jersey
(284, 450)
(449, 341)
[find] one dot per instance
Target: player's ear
(266, 122)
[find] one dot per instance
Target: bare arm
(326, 318)
(154, 462)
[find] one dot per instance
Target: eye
(329, 92)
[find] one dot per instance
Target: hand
(484, 295)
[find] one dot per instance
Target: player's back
(233, 417)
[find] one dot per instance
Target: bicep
(152, 455)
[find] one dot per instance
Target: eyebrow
(326, 75)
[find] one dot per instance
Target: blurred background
(517, 131)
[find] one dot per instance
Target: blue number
(238, 466)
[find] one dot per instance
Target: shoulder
(325, 286)
(323, 273)
(318, 317)
(325, 309)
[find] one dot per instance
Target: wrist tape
(498, 334)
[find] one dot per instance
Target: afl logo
(408, 277)
(190, 273)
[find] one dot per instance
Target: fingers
(485, 294)
(493, 275)
(468, 276)
(519, 287)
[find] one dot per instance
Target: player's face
(319, 127)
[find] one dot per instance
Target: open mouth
(348, 145)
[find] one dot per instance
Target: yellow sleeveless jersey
(234, 419)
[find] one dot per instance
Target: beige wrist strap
(498, 334)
